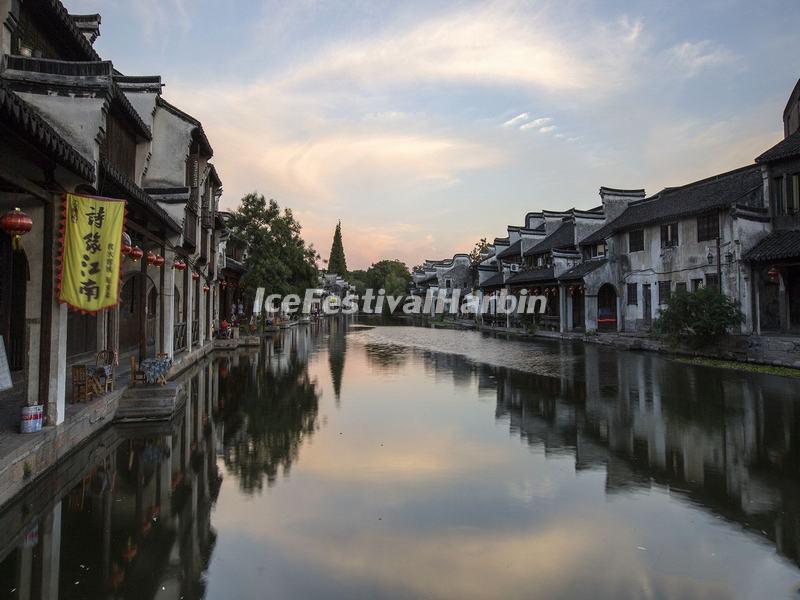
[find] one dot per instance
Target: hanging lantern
(223, 284)
(195, 276)
(125, 247)
(16, 224)
(151, 258)
(159, 261)
(135, 254)
(773, 274)
(206, 288)
(179, 265)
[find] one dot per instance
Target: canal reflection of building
(724, 442)
(268, 407)
(127, 515)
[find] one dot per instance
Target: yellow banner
(90, 259)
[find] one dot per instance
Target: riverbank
(26, 457)
(775, 351)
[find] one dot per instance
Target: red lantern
(135, 254)
(16, 224)
(125, 248)
(206, 288)
(151, 258)
(159, 261)
(773, 274)
(195, 276)
(179, 265)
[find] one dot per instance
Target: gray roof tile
(777, 245)
(742, 186)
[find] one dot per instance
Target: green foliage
(337, 262)
(390, 275)
(278, 258)
(359, 278)
(698, 318)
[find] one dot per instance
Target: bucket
(32, 417)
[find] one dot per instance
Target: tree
(360, 279)
(480, 247)
(390, 275)
(475, 258)
(337, 262)
(698, 318)
(278, 259)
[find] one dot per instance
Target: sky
(426, 125)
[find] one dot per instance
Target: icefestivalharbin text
(433, 303)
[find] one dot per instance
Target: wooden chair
(105, 358)
(82, 388)
(137, 376)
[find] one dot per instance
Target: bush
(698, 318)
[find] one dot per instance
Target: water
(404, 462)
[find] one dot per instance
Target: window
(707, 227)
(448, 283)
(696, 284)
(669, 235)
(636, 240)
(712, 281)
(777, 196)
(597, 250)
(793, 194)
(680, 287)
(664, 289)
(633, 294)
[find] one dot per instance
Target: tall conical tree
(337, 262)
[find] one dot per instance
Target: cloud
(694, 57)
(548, 129)
(521, 118)
(487, 44)
(369, 170)
(536, 123)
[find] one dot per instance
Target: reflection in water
(636, 477)
(270, 409)
(337, 349)
(127, 516)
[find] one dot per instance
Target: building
(775, 260)
(613, 267)
(71, 122)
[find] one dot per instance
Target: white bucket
(32, 417)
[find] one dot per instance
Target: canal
(397, 462)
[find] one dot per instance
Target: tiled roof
(579, 271)
(532, 276)
(493, 281)
(742, 186)
(777, 245)
(786, 148)
(23, 119)
(513, 251)
(137, 195)
(74, 75)
(563, 237)
(54, 9)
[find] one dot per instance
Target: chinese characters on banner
(90, 259)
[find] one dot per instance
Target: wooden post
(143, 308)
(162, 285)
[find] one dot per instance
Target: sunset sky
(424, 125)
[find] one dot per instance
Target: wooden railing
(179, 339)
